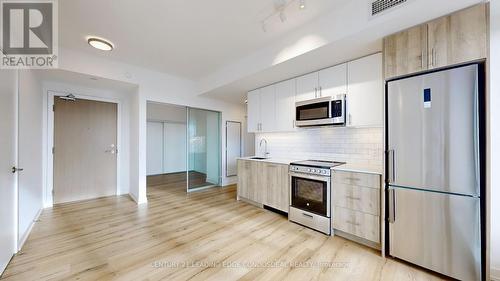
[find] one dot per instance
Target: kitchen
(378, 148)
(252, 140)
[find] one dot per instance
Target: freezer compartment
(437, 231)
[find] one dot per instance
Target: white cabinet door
(268, 109)
(285, 106)
(253, 111)
(307, 87)
(154, 149)
(365, 92)
(333, 81)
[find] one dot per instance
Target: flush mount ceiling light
(100, 44)
(302, 4)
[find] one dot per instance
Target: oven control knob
(309, 170)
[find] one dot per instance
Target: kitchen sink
(258, 158)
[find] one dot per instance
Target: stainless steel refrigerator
(434, 171)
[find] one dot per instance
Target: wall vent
(380, 6)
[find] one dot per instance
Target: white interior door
(154, 165)
(233, 147)
(8, 159)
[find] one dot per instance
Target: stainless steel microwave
(321, 112)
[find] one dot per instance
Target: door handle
(14, 170)
(392, 205)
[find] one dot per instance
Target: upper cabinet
(324, 83)
(285, 106)
(453, 39)
(458, 38)
(261, 110)
(405, 52)
(365, 92)
(272, 108)
(333, 81)
(253, 111)
(307, 87)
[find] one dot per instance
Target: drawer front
(357, 223)
(363, 199)
(358, 179)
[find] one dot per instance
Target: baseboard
(133, 198)
(27, 234)
(495, 274)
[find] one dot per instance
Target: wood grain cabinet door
(458, 38)
(406, 52)
(277, 186)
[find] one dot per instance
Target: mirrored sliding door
(203, 149)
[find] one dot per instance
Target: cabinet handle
(315, 92)
(353, 198)
(353, 179)
(350, 119)
(432, 57)
(422, 60)
(353, 223)
(320, 91)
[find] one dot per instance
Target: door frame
(49, 187)
(222, 150)
(240, 145)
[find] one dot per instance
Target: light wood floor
(199, 236)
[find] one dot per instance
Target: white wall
(153, 86)
(166, 112)
(30, 151)
(494, 140)
(126, 99)
(362, 146)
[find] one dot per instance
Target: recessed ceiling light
(100, 44)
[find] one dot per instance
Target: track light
(302, 4)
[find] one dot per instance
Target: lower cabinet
(277, 187)
(356, 205)
(264, 183)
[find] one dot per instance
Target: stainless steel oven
(320, 112)
(310, 194)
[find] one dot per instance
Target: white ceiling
(186, 38)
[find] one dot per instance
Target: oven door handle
(311, 177)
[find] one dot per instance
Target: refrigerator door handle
(392, 205)
(392, 166)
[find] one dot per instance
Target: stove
(314, 167)
(310, 193)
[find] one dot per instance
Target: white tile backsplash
(362, 146)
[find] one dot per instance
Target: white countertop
(271, 160)
(367, 169)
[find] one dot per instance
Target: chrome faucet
(266, 153)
